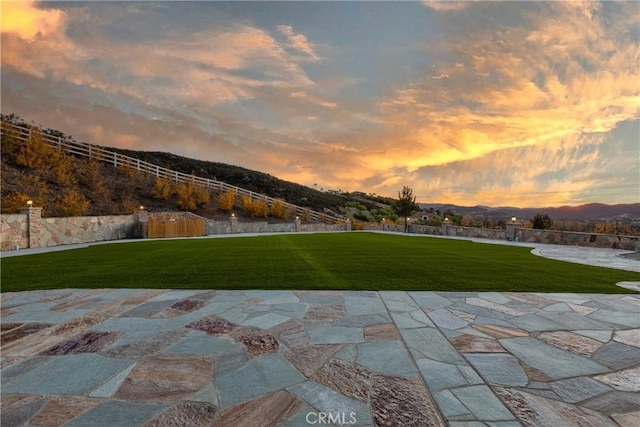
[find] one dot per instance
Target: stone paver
(288, 358)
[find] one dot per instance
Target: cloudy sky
(518, 103)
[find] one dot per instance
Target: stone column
(383, 225)
(143, 223)
(347, 225)
(34, 226)
(297, 223)
(511, 232)
(234, 224)
(446, 227)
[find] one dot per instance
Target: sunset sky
(524, 104)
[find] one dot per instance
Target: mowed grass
(353, 261)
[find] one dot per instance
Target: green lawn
(356, 261)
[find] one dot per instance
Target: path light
(141, 208)
(29, 203)
(513, 219)
(446, 220)
(233, 215)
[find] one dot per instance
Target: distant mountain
(590, 211)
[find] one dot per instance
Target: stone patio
(295, 358)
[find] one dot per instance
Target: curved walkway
(291, 358)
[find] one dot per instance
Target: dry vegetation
(66, 185)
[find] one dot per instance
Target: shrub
(279, 210)
(202, 195)
(34, 153)
(13, 202)
(255, 208)
(186, 199)
(71, 203)
(226, 200)
(161, 189)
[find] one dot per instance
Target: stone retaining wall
(514, 232)
(13, 231)
(28, 230)
(577, 239)
(45, 232)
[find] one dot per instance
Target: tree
(406, 204)
(541, 222)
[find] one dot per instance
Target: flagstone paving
(295, 358)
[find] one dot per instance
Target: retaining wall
(29, 230)
(17, 230)
(515, 232)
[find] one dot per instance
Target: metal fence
(95, 152)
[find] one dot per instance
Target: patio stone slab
(536, 410)
(429, 342)
(617, 356)
(21, 410)
(445, 319)
(574, 390)
(440, 375)
(628, 319)
(552, 361)
(269, 410)
(116, 413)
(397, 401)
(71, 374)
(110, 387)
(310, 358)
(628, 337)
(357, 306)
(266, 321)
(335, 334)
(573, 342)
(165, 378)
(59, 410)
(325, 399)
(260, 376)
(450, 406)
(203, 345)
(627, 380)
(482, 403)
(385, 357)
(429, 300)
(192, 414)
(498, 368)
(348, 378)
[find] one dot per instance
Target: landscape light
(513, 219)
(233, 215)
(29, 203)
(446, 220)
(141, 208)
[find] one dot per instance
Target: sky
(525, 104)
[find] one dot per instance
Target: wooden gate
(175, 228)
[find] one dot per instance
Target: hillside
(66, 185)
(592, 211)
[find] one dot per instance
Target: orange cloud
(28, 22)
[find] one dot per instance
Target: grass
(354, 261)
